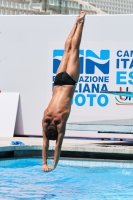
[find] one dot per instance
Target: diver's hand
(46, 168)
(51, 168)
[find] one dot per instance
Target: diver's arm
(45, 152)
(58, 149)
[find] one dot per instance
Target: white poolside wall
(26, 46)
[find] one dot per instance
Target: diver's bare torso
(60, 105)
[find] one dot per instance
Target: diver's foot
(80, 17)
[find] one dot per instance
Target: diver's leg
(73, 67)
(65, 58)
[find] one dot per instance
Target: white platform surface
(8, 113)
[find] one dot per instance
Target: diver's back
(61, 99)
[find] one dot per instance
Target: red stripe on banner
(124, 104)
(121, 96)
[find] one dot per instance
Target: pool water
(23, 179)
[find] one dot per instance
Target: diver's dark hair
(51, 132)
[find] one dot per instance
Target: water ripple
(23, 179)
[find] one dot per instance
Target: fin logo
(91, 61)
(57, 56)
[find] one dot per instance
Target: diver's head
(51, 132)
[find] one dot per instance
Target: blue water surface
(23, 179)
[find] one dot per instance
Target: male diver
(58, 110)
